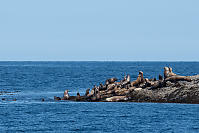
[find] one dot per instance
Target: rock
(172, 89)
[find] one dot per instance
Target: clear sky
(105, 30)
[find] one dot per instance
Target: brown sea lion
(98, 96)
(97, 90)
(57, 98)
(160, 77)
(136, 82)
(125, 77)
(140, 79)
(66, 95)
(110, 87)
(157, 84)
(116, 99)
(91, 93)
(78, 97)
(166, 72)
(87, 92)
(178, 78)
(102, 87)
(111, 80)
(128, 79)
(171, 72)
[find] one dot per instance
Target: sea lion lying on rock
(157, 84)
(168, 72)
(111, 80)
(102, 87)
(171, 72)
(170, 76)
(117, 99)
(57, 98)
(110, 87)
(178, 78)
(121, 92)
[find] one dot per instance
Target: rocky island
(171, 88)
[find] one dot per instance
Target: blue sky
(105, 30)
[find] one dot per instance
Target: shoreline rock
(172, 88)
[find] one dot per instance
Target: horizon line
(98, 61)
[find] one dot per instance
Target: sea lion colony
(142, 89)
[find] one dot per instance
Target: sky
(99, 30)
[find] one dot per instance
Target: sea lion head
(141, 73)
(66, 92)
(170, 69)
(128, 78)
(115, 79)
(166, 69)
(146, 80)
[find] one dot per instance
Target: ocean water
(29, 82)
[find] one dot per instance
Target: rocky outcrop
(172, 88)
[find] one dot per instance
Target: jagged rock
(173, 88)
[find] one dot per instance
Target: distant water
(29, 82)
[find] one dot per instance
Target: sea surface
(29, 82)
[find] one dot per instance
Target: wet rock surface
(172, 88)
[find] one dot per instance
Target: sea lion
(136, 82)
(41, 100)
(140, 79)
(157, 84)
(78, 97)
(66, 95)
(110, 87)
(111, 80)
(171, 72)
(166, 72)
(98, 96)
(87, 92)
(116, 99)
(96, 90)
(91, 93)
(178, 78)
(125, 77)
(128, 79)
(160, 77)
(147, 83)
(57, 98)
(102, 87)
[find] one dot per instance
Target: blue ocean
(23, 85)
